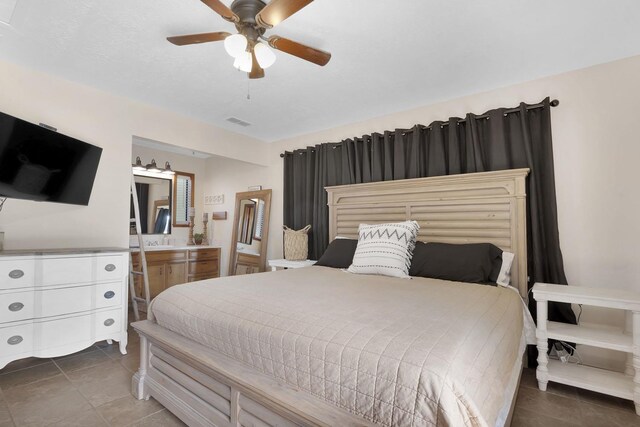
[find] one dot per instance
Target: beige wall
(596, 152)
(107, 121)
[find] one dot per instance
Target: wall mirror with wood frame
(250, 232)
(183, 194)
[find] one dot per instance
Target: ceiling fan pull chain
(249, 90)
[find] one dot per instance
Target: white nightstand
(283, 263)
(624, 385)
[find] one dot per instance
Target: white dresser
(58, 302)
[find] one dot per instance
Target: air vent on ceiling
(238, 122)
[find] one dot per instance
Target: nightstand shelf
(623, 385)
(594, 379)
(611, 338)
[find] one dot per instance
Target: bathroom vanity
(170, 265)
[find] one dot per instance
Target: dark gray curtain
(496, 140)
(143, 204)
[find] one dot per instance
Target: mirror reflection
(154, 200)
(248, 249)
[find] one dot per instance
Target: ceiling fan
(252, 19)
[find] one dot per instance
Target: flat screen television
(40, 164)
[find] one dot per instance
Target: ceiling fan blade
(256, 71)
(198, 38)
(218, 7)
(307, 53)
(277, 11)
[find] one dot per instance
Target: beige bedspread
(397, 352)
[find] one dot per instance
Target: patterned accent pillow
(385, 249)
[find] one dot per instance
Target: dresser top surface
(60, 251)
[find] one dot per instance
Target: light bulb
(244, 62)
(264, 55)
(235, 45)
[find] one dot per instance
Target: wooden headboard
(467, 208)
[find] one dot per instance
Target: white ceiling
(388, 55)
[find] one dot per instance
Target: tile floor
(92, 388)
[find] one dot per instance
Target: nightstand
(624, 385)
(285, 264)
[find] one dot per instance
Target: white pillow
(504, 277)
(385, 249)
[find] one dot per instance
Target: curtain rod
(553, 103)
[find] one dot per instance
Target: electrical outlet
(217, 199)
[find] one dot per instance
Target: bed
(319, 346)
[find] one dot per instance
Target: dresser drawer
(16, 274)
(16, 339)
(110, 268)
(202, 254)
(55, 302)
(16, 306)
(203, 267)
(63, 271)
(89, 327)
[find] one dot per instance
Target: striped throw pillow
(385, 249)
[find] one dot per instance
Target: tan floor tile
(5, 416)
(82, 360)
(113, 350)
(130, 362)
(28, 375)
(102, 383)
(529, 380)
(88, 418)
(589, 396)
(549, 404)
(127, 410)
(45, 402)
(525, 418)
(163, 418)
(27, 362)
(600, 416)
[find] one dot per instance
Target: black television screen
(39, 164)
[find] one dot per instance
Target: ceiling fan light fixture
(235, 45)
(264, 55)
(244, 62)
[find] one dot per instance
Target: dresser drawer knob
(109, 294)
(16, 274)
(109, 322)
(110, 267)
(16, 306)
(14, 340)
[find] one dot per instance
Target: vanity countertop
(60, 251)
(174, 248)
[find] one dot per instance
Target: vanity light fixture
(167, 169)
(152, 167)
(138, 166)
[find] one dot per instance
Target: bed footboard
(204, 388)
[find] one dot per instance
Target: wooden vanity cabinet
(175, 267)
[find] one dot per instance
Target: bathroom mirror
(250, 232)
(183, 194)
(155, 202)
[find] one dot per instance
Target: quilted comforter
(397, 352)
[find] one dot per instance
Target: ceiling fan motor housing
(247, 11)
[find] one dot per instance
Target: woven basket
(296, 243)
